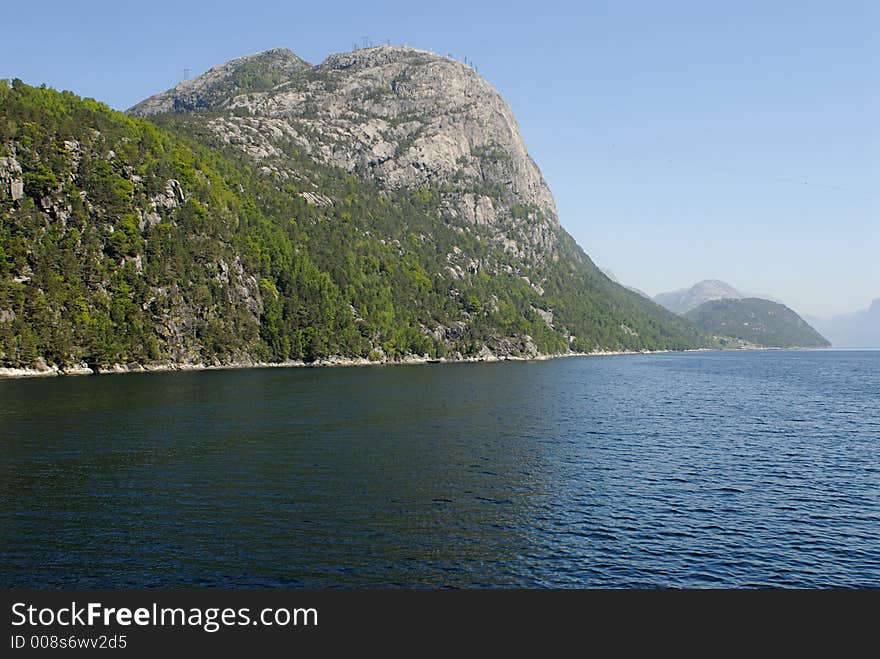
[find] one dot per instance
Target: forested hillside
(124, 242)
(758, 322)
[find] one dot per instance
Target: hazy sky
(682, 140)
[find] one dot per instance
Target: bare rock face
(405, 118)
(212, 89)
(10, 178)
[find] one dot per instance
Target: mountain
(719, 309)
(400, 117)
(405, 119)
(608, 273)
(854, 330)
(380, 205)
(757, 322)
(686, 299)
(251, 73)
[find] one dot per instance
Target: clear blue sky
(682, 140)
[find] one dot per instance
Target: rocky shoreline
(334, 361)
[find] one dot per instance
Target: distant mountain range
(853, 330)
(860, 329)
(756, 322)
(608, 273)
(721, 310)
(686, 299)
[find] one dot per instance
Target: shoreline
(328, 362)
(337, 362)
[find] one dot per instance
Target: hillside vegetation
(756, 321)
(121, 241)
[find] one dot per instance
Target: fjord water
(692, 470)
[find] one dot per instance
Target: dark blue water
(691, 470)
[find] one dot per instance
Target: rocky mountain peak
(686, 299)
(382, 56)
(250, 73)
(402, 117)
(716, 283)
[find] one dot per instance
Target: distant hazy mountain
(756, 321)
(685, 299)
(765, 296)
(608, 273)
(853, 330)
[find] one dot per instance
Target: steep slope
(121, 242)
(853, 330)
(608, 273)
(251, 73)
(686, 299)
(756, 321)
(406, 119)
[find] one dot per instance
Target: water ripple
(700, 470)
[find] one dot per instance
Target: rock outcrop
(402, 117)
(11, 182)
(213, 88)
